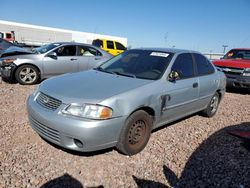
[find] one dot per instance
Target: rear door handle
(195, 85)
(97, 58)
(73, 59)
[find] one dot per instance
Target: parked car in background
(110, 46)
(50, 60)
(123, 100)
(236, 65)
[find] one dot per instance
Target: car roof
(240, 49)
(72, 43)
(170, 50)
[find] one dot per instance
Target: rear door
(208, 80)
(64, 62)
(111, 47)
(89, 57)
(182, 94)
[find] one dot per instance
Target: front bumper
(238, 81)
(7, 72)
(64, 130)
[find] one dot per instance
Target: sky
(202, 25)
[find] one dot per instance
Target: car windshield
(45, 48)
(144, 64)
(238, 54)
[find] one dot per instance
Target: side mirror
(52, 55)
(173, 76)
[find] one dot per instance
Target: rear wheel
(212, 106)
(27, 75)
(135, 133)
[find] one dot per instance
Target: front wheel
(27, 75)
(135, 133)
(212, 106)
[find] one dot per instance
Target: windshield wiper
(124, 74)
(102, 70)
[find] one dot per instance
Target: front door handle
(73, 59)
(195, 85)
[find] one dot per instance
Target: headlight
(88, 111)
(8, 61)
(246, 72)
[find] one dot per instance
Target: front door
(182, 94)
(65, 61)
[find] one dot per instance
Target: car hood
(14, 51)
(237, 63)
(89, 86)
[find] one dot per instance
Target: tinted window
(98, 43)
(184, 65)
(119, 46)
(110, 44)
(66, 51)
(88, 51)
(144, 64)
(203, 65)
(238, 54)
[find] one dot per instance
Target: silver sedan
(29, 67)
(122, 101)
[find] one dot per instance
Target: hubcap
(28, 75)
(137, 132)
(214, 104)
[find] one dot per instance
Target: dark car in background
(28, 67)
(236, 66)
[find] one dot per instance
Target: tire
(27, 75)
(212, 106)
(135, 133)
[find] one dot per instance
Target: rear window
(238, 54)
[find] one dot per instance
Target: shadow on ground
(65, 181)
(220, 161)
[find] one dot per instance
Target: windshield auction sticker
(159, 54)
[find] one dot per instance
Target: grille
(232, 71)
(44, 130)
(48, 102)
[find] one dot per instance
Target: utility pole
(224, 48)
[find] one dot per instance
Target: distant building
(34, 35)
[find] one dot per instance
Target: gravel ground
(194, 152)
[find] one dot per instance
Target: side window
(88, 51)
(66, 51)
(184, 66)
(119, 46)
(110, 44)
(203, 65)
(98, 43)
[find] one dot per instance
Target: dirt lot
(194, 152)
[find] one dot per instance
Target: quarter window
(119, 46)
(184, 66)
(203, 65)
(110, 44)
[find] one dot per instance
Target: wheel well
(220, 94)
(39, 71)
(147, 109)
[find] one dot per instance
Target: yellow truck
(110, 46)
